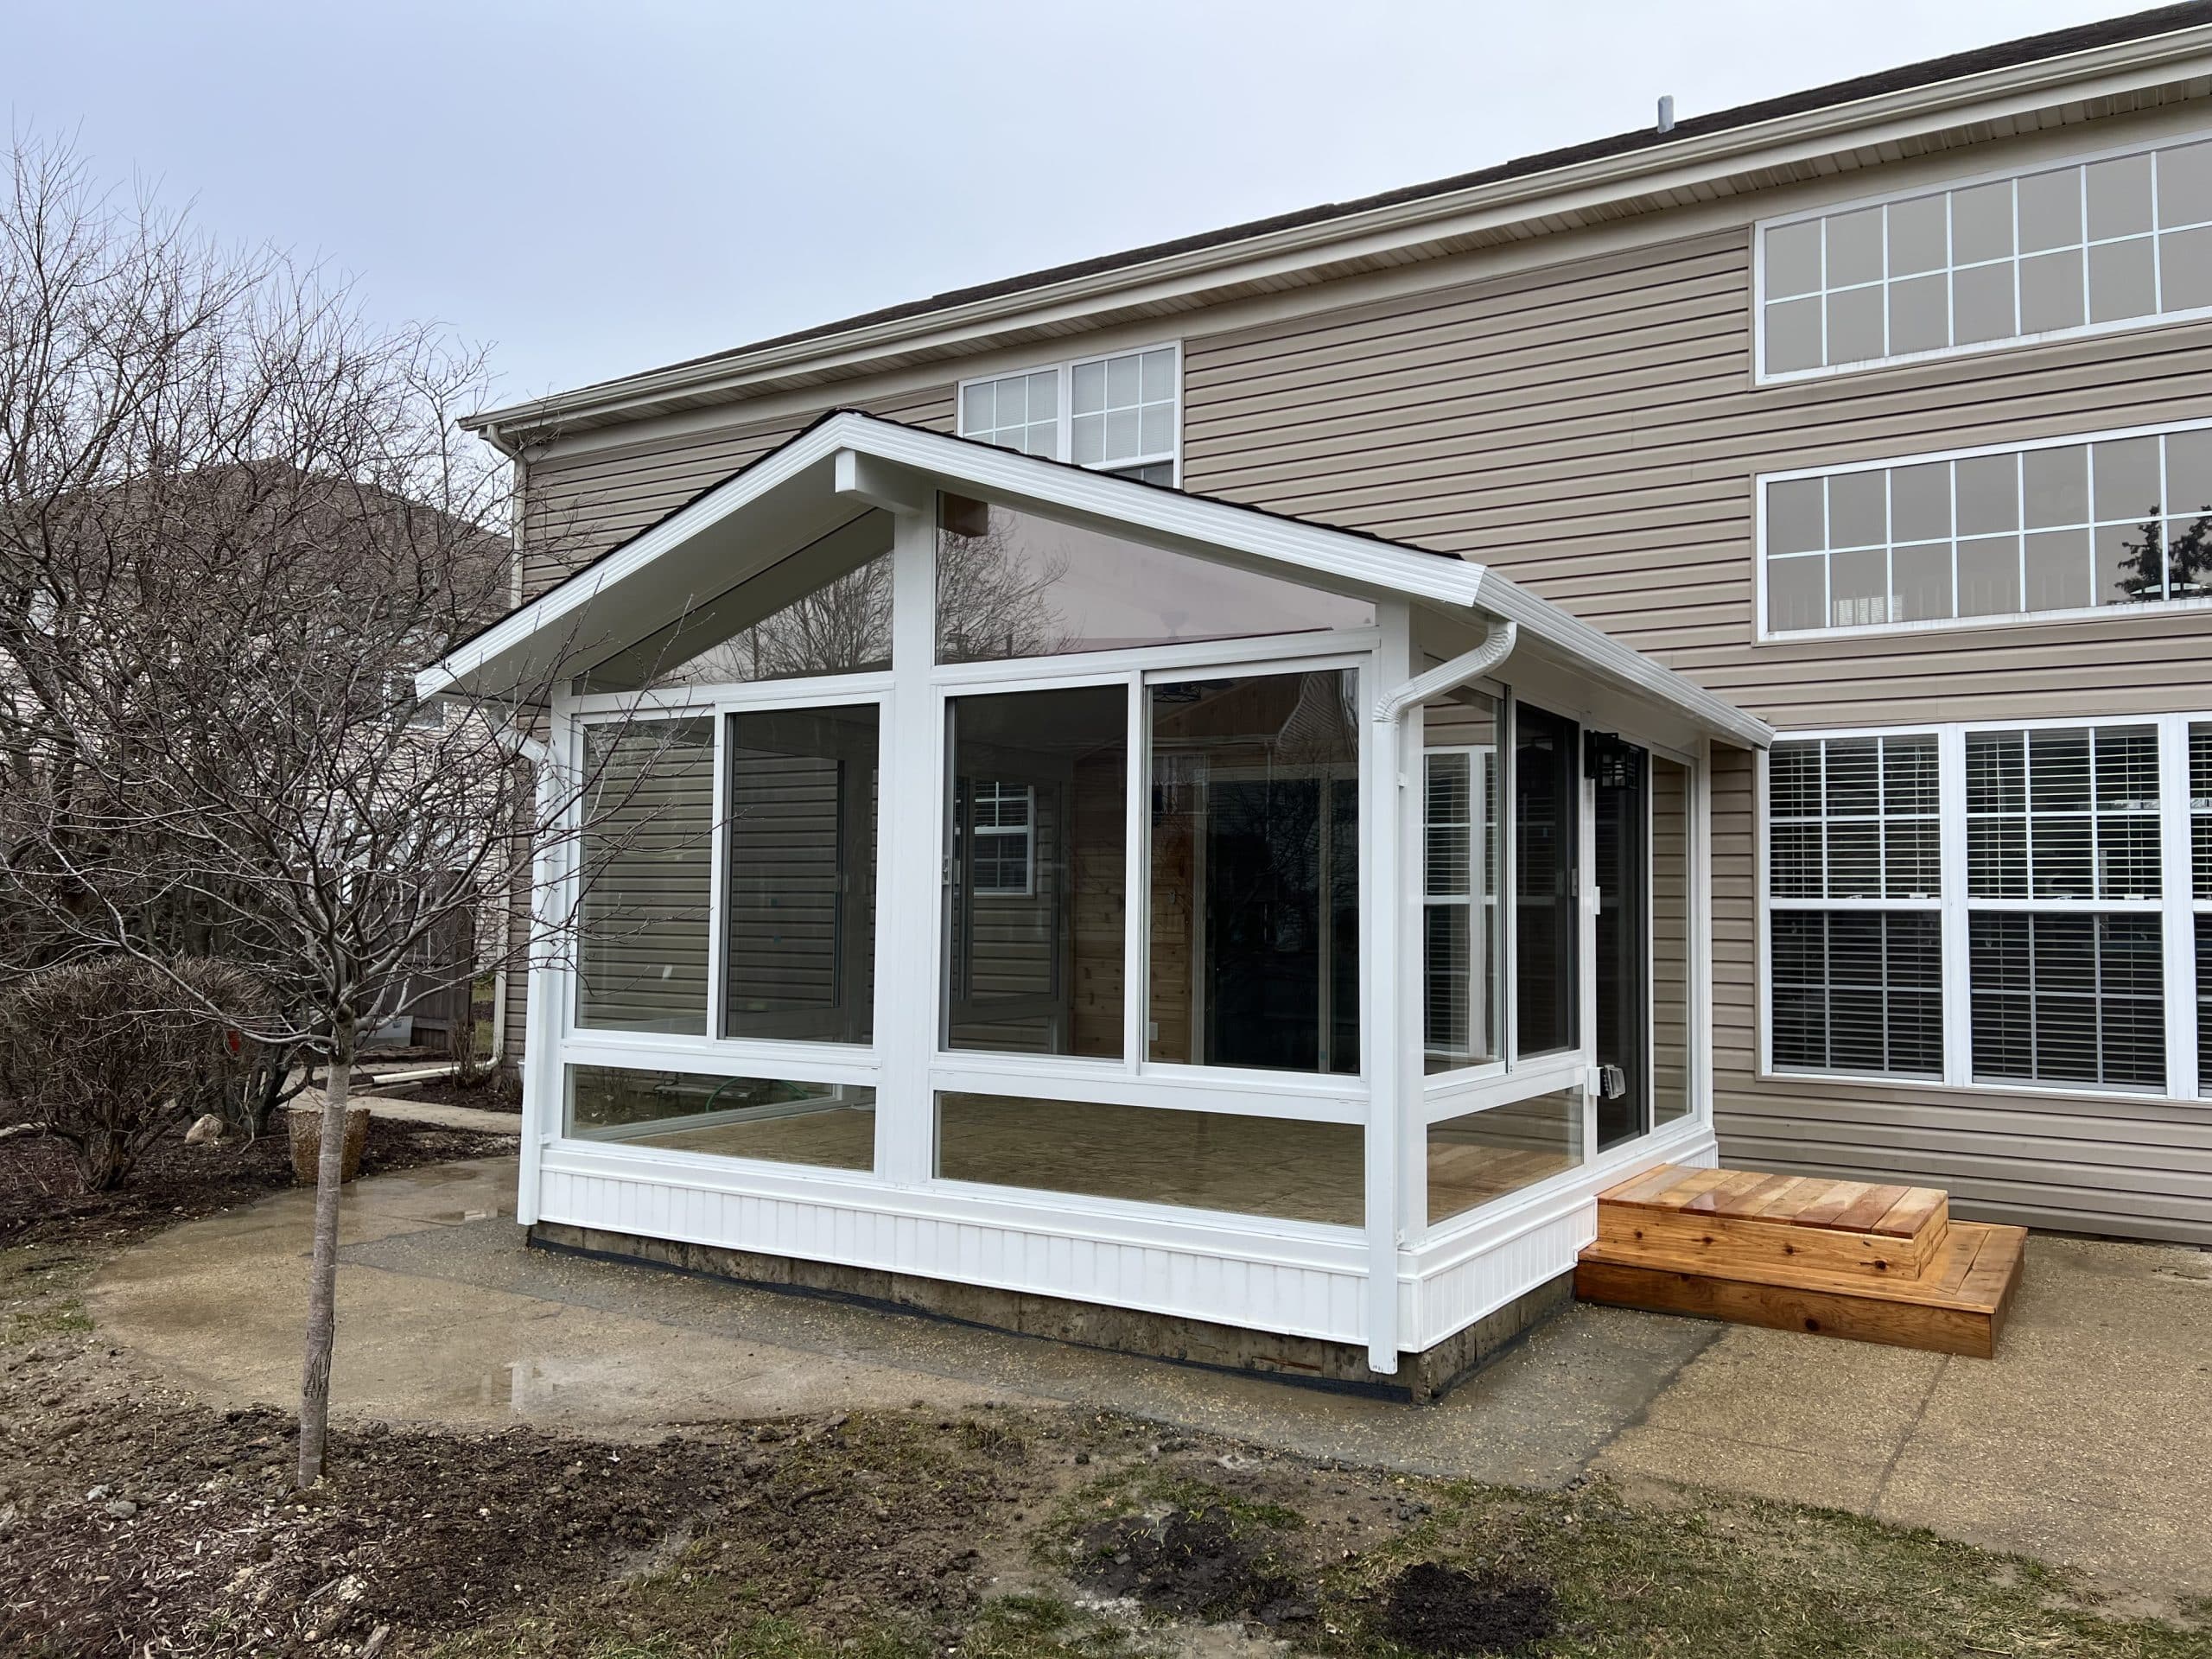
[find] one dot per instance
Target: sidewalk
(2088, 1441)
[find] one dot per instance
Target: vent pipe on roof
(1666, 113)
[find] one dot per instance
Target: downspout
(1393, 1118)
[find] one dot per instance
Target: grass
(38, 1295)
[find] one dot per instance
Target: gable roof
(2186, 19)
(818, 480)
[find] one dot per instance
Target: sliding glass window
(1254, 872)
(799, 888)
(1546, 923)
(1036, 884)
(646, 876)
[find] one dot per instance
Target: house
(1212, 799)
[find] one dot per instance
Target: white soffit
(850, 460)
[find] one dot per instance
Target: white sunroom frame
(1394, 1284)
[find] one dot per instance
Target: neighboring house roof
(845, 463)
(2187, 28)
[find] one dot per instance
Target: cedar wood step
(1954, 1302)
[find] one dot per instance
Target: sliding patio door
(1621, 773)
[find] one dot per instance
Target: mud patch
(1190, 1563)
(1440, 1609)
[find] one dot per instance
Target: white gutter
(1885, 120)
(1497, 646)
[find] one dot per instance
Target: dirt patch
(1196, 1564)
(40, 1203)
(486, 1096)
(1440, 1610)
(175, 1530)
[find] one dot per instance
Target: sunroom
(1000, 886)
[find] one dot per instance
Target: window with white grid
(1003, 820)
(1118, 414)
(2060, 525)
(2103, 243)
(2021, 906)
(1854, 872)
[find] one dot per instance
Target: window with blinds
(2067, 944)
(1854, 881)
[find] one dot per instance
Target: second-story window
(2113, 241)
(1116, 413)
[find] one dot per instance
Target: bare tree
(235, 517)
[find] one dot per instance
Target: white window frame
(2155, 319)
(1063, 372)
(1025, 832)
(2175, 905)
(1763, 633)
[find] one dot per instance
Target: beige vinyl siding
(1592, 429)
(581, 506)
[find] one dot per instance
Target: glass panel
(2051, 209)
(1255, 876)
(824, 610)
(1859, 588)
(1622, 936)
(1793, 258)
(2185, 185)
(2050, 291)
(1796, 516)
(1982, 303)
(1793, 335)
(1981, 224)
(1858, 509)
(2058, 570)
(647, 874)
(1989, 576)
(2131, 564)
(1037, 881)
(1482, 1157)
(2068, 999)
(1464, 984)
(1275, 1166)
(1797, 593)
(2186, 269)
(1013, 584)
(1671, 971)
(1988, 494)
(2119, 196)
(1920, 502)
(1920, 314)
(1921, 582)
(2126, 474)
(1547, 826)
(1919, 237)
(1855, 247)
(1857, 991)
(2056, 485)
(2120, 282)
(1854, 324)
(800, 888)
(827, 1125)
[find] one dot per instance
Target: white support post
(548, 1005)
(1700, 898)
(1386, 891)
(2177, 907)
(907, 955)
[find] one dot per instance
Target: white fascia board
(1886, 121)
(1335, 558)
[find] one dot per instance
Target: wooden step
(1955, 1303)
(1676, 1216)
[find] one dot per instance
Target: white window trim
(2176, 905)
(1763, 634)
(1063, 371)
(1760, 375)
(1025, 832)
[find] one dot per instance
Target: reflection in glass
(1254, 872)
(1621, 933)
(647, 871)
(1482, 1157)
(801, 881)
(1547, 829)
(1013, 584)
(824, 610)
(827, 1125)
(1670, 940)
(1036, 885)
(1464, 982)
(1282, 1167)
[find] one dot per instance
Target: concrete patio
(2086, 1442)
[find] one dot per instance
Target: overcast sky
(595, 189)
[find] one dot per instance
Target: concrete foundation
(1423, 1378)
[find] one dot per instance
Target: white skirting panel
(1296, 1286)
(1446, 1285)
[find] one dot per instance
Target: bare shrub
(100, 1054)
